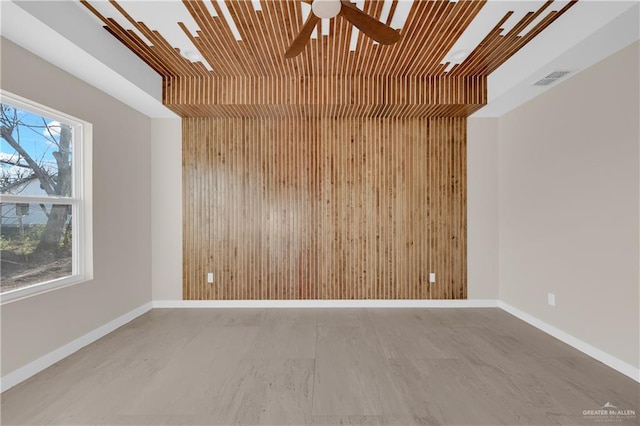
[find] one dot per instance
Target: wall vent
(551, 78)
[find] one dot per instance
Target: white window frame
(80, 200)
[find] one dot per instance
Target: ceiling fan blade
(373, 28)
(303, 37)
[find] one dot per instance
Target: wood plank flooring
(322, 367)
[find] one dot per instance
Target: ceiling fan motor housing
(326, 9)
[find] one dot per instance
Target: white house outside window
(45, 228)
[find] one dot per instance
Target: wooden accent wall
(324, 208)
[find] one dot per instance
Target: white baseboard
(598, 354)
(325, 303)
(33, 368)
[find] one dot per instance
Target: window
(45, 227)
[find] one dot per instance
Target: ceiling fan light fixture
(326, 9)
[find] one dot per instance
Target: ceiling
(450, 60)
(225, 58)
(249, 38)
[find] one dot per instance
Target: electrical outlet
(551, 299)
(210, 277)
(432, 277)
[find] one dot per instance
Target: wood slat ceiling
(241, 70)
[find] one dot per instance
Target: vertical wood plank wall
(324, 208)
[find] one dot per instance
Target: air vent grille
(551, 78)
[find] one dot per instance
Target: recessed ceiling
(587, 33)
(459, 43)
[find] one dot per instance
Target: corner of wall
(482, 208)
(166, 208)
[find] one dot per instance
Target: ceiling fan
(326, 9)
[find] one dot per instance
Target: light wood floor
(324, 367)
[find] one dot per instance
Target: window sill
(41, 288)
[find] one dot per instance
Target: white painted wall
(166, 204)
(569, 196)
(482, 208)
(37, 325)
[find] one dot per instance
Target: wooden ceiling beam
(324, 111)
(413, 96)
